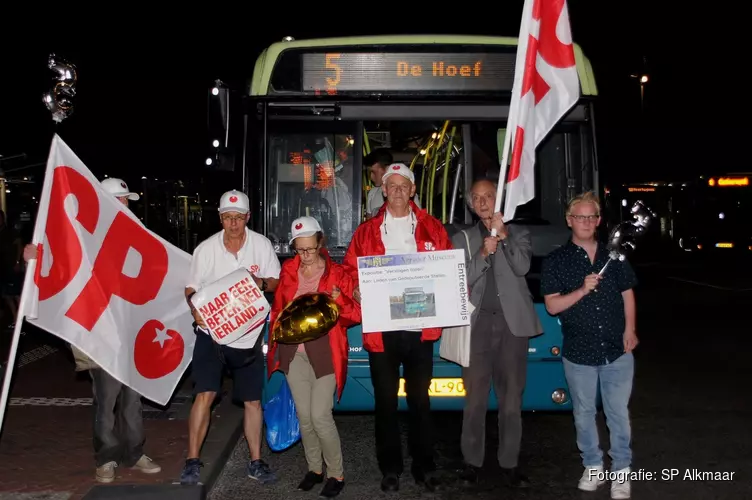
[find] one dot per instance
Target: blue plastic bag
(282, 426)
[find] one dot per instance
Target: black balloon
(59, 100)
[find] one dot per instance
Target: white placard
(413, 291)
(231, 307)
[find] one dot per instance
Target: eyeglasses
(585, 218)
(303, 251)
(231, 218)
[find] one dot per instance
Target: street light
(643, 79)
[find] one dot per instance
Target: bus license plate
(440, 387)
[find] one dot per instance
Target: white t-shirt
(212, 261)
(398, 234)
(398, 237)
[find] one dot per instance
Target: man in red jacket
(400, 227)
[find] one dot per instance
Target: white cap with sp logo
(234, 201)
(304, 226)
(118, 188)
(399, 169)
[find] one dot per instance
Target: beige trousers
(314, 400)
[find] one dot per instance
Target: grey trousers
(118, 421)
(495, 355)
(314, 400)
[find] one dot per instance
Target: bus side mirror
(221, 147)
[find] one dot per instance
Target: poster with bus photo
(414, 291)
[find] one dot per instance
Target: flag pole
(27, 290)
(28, 302)
(503, 168)
(514, 106)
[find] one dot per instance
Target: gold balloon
(306, 318)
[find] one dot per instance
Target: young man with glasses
(232, 248)
(597, 314)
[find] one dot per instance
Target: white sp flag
(106, 284)
(546, 87)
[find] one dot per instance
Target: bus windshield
(439, 104)
(311, 174)
(414, 296)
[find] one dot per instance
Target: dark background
(143, 83)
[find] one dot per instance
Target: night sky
(142, 92)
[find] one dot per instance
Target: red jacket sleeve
(281, 298)
(350, 262)
(349, 310)
(278, 304)
(443, 242)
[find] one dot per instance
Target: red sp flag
(546, 87)
(231, 307)
(106, 284)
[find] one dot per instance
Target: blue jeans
(616, 388)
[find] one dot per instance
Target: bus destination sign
(336, 72)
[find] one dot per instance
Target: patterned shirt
(593, 327)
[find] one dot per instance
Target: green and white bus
(439, 103)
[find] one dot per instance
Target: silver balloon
(622, 240)
(59, 100)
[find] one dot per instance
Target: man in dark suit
(502, 322)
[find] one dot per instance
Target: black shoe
(469, 474)
(429, 480)
(310, 480)
(332, 488)
(390, 482)
(514, 479)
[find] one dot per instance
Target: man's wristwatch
(264, 285)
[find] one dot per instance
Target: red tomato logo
(157, 352)
(298, 225)
(233, 199)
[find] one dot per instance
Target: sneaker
(191, 471)
(310, 480)
(592, 478)
(620, 487)
(147, 465)
(106, 472)
(261, 472)
(332, 488)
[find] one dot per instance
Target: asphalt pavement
(690, 409)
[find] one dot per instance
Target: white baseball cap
(118, 188)
(304, 226)
(399, 169)
(234, 201)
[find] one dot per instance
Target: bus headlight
(559, 396)
(555, 351)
